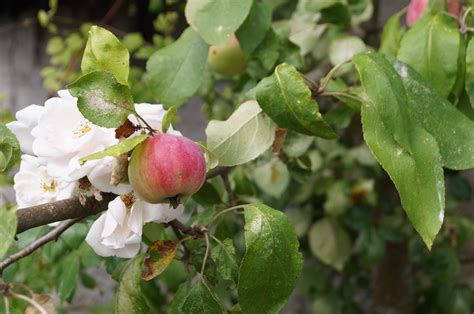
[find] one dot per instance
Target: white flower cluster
(53, 138)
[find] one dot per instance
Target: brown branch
(31, 217)
(228, 189)
(52, 235)
(112, 11)
(197, 232)
(217, 172)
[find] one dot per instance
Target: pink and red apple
(416, 9)
(166, 167)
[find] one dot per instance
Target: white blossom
(153, 115)
(63, 136)
(118, 231)
(100, 178)
(27, 119)
(34, 185)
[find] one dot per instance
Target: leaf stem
(30, 301)
(152, 130)
(204, 261)
(343, 94)
(329, 76)
(7, 305)
(216, 239)
(185, 239)
(211, 221)
(464, 27)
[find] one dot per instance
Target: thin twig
(216, 239)
(7, 305)
(52, 235)
(329, 76)
(152, 130)
(196, 232)
(342, 94)
(211, 221)
(217, 172)
(228, 189)
(204, 261)
(30, 301)
(112, 11)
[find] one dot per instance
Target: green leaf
(470, 71)
(408, 153)
(254, 29)
(344, 48)
(318, 5)
(453, 131)
(201, 300)
(211, 158)
(272, 177)
(224, 257)
(272, 263)
(306, 34)
(392, 35)
(285, 97)
(43, 18)
(133, 41)
(174, 73)
(68, 278)
(9, 148)
(102, 100)
(337, 199)
(158, 256)
(104, 52)
(169, 117)
(330, 243)
(216, 20)
(116, 150)
(241, 138)
(179, 298)
(8, 223)
(129, 298)
(431, 47)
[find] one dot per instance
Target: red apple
(166, 167)
(416, 9)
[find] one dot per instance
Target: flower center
(82, 129)
(49, 186)
(128, 200)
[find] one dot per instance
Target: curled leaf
(158, 256)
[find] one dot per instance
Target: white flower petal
(153, 114)
(27, 119)
(135, 221)
(128, 251)
(93, 238)
(118, 231)
(159, 212)
(34, 185)
(63, 135)
(100, 176)
(114, 216)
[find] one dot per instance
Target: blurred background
(33, 65)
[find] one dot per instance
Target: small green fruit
(228, 59)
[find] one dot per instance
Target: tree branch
(228, 189)
(217, 172)
(31, 217)
(52, 235)
(197, 232)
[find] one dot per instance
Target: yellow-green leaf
(116, 150)
(158, 256)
